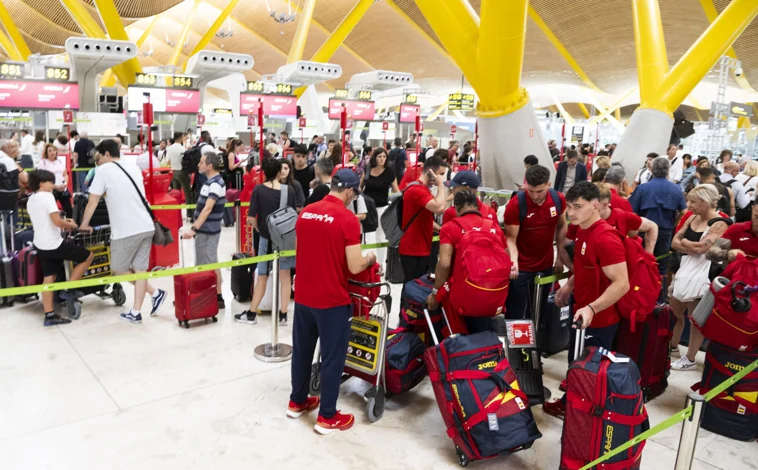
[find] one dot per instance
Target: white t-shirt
(360, 205)
(677, 167)
(127, 213)
(144, 163)
(430, 152)
(37, 152)
(58, 168)
(46, 235)
(175, 152)
(26, 145)
(10, 164)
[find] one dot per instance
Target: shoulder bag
(162, 235)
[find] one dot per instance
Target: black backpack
(724, 205)
(191, 158)
(371, 222)
(9, 188)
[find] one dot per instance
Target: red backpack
(644, 282)
(481, 273)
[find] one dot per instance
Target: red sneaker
(554, 407)
(295, 411)
(338, 422)
(563, 387)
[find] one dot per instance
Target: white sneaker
(684, 364)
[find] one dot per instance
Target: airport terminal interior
(499, 92)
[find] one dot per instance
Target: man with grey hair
(9, 196)
(615, 178)
(730, 179)
(662, 202)
(209, 213)
(323, 182)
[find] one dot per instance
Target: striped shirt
(213, 188)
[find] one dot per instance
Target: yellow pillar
(584, 109)
(108, 78)
(183, 36)
(112, 21)
(500, 55)
(650, 46)
(301, 34)
(208, 36)
(14, 33)
(458, 32)
(618, 114)
(10, 48)
(91, 29)
(700, 58)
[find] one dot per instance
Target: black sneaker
(52, 320)
(251, 318)
(282, 318)
(221, 304)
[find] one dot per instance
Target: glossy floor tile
(104, 394)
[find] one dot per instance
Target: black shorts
(52, 260)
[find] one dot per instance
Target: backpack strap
(404, 229)
(283, 196)
(521, 198)
(556, 200)
(487, 226)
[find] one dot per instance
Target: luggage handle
(431, 326)
(578, 340)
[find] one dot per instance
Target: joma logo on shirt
(319, 217)
(733, 366)
(487, 365)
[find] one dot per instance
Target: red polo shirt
(621, 220)
(485, 210)
(594, 249)
(324, 229)
(618, 202)
(536, 233)
(417, 239)
(743, 238)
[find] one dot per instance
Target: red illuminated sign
(182, 101)
(302, 122)
(453, 128)
(38, 95)
(358, 110)
(251, 118)
(385, 126)
(68, 117)
(200, 119)
(408, 113)
(273, 105)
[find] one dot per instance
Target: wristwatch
(193, 228)
(435, 290)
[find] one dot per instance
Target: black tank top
(692, 235)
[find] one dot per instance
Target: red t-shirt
(485, 210)
(743, 238)
(411, 174)
(594, 249)
(536, 233)
(324, 229)
(621, 220)
(618, 202)
(687, 215)
(417, 239)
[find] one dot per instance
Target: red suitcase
(648, 347)
(29, 267)
(195, 295)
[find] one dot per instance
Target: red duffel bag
(734, 318)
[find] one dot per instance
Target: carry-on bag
(242, 276)
(412, 307)
(733, 319)
(195, 295)
(394, 271)
(7, 275)
(733, 413)
(648, 345)
(281, 224)
(100, 217)
(484, 410)
(29, 267)
(554, 330)
(604, 409)
(404, 363)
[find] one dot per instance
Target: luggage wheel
(375, 404)
(186, 324)
(315, 382)
(462, 459)
(215, 320)
(118, 295)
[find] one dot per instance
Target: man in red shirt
(328, 249)
(615, 178)
(533, 220)
(419, 209)
(468, 218)
(600, 277)
(467, 181)
(739, 239)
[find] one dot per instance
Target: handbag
(162, 235)
(281, 224)
(692, 281)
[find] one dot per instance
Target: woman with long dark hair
(287, 177)
(57, 167)
(234, 166)
(377, 183)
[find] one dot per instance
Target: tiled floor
(104, 394)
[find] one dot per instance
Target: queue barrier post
(274, 351)
(690, 428)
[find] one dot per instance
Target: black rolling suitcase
(394, 271)
(242, 276)
(554, 332)
(100, 217)
(7, 277)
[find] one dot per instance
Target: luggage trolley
(99, 243)
(366, 347)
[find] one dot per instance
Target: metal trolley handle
(371, 285)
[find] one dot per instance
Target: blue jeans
(521, 293)
(80, 177)
(332, 326)
(663, 246)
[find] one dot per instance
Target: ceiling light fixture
(281, 18)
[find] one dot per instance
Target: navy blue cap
(464, 178)
(347, 178)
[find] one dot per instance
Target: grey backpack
(281, 224)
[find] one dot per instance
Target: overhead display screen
(356, 109)
(273, 105)
(165, 100)
(408, 113)
(35, 94)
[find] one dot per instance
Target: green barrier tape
(730, 381)
(81, 169)
(502, 193)
(664, 256)
(541, 281)
(677, 418)
(28, 290)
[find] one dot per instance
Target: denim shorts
(264, 267)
